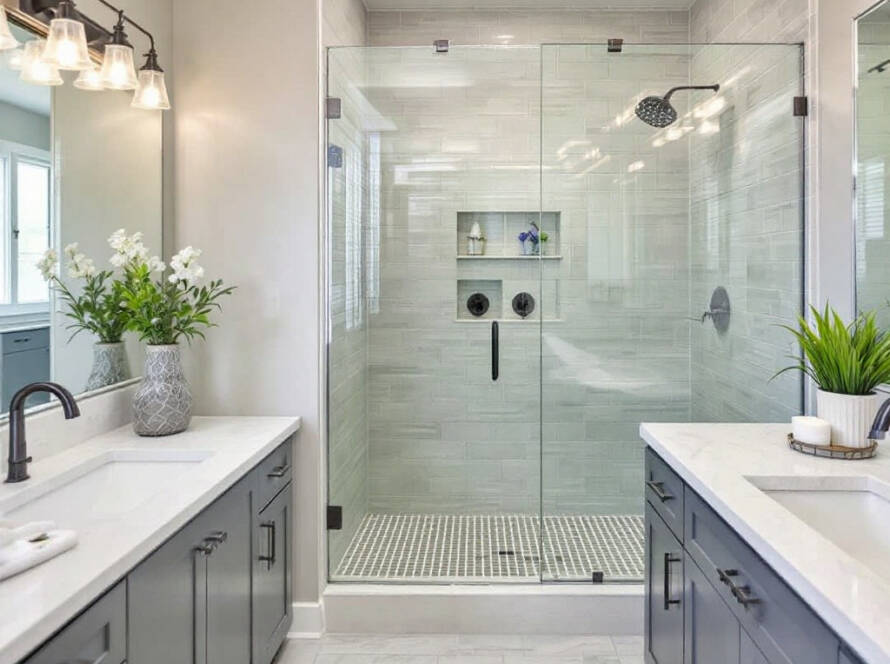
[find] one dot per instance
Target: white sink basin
(852, 512)
(107, 485)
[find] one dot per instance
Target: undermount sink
(852, 512)
(106, 485)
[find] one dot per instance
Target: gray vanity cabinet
(195, 590)
(664, 588)
(712, 632)
(271, 576)
(96, 636)
(736, 609)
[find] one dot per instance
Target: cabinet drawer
(784, 628)
(98, 635)
(273, 474)
(664, 490)
(14, 342)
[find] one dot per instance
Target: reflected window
(25, 199)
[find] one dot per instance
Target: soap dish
(833, 451)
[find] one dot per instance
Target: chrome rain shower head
(658, 111)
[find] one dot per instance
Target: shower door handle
(495, 352)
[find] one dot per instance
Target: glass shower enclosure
(520, 270)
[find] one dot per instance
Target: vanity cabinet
(735, 608)
(96, 636)
(24, 359)
(216, 592)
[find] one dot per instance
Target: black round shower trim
(523, 304)
(477, 304)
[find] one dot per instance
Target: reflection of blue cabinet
(24, 358)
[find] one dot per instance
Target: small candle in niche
(812, 430)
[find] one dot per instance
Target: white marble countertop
(36, 603)
(716, 459)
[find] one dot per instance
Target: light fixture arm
(122, 17)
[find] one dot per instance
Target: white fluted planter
(850, 416)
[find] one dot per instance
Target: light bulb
(14, 59)
(118, 70)
(7, 39)
(90, 80)
(34, 69)
(66, 45)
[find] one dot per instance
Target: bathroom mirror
(75, 166)
(873, 162)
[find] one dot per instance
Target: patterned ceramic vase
(110, 366)
(163, 403)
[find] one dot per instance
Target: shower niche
(501, 231)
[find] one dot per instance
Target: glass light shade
(118, 70)
(34, 69)
(151, 95)
(7, 39)
(90, 79)
(14, 59)
(66, 45)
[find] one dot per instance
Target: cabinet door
(20, 369)
(228, 577)
(664, 591)
(712, 630)
(271, 577)
(163, 592)
(750, 654)
(97, 636)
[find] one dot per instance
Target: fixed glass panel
(435, 306)
(873, 164)
(681, 254)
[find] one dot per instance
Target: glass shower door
(652, 222)
(434, 237)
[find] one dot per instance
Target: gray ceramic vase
(163, 404)
(110, 366)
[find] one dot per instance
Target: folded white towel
(31, 545)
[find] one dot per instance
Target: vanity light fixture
(90, 80)
(14, 59)
(66, 44)
(7, 39)
(34, 69)
(151, 95)
(118, 68)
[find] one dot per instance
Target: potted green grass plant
(847, 362)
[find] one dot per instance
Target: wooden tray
(833, 451)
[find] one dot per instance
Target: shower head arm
(667, 97)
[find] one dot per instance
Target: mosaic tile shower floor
(494, 548)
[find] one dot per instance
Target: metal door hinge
(616, 45)
(801, 107)
(598, 577)
(332, 108)
(442, 45)
(335, 156)
(335, 517)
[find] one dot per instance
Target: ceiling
(405, 5)
(35, 98)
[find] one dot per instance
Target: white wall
(247, 123)
(20, 125)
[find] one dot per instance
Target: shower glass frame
(556, 387)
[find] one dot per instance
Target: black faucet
(882, 422)
(18, 446)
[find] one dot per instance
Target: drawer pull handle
(23, 340)
(668, 559)
(217, 537)
(205, 548)
(279, 471)
(658, 489)
(725, 575)
(741, 593)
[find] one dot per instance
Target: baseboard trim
(507, 609)
(308, 621)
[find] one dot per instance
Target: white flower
(71, 250)
(47, 264)
(117, 239)
(80, 266)
(185, 267)
(128, 249)
(155, 264)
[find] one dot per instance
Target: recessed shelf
(501, 231)
(520, 321)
